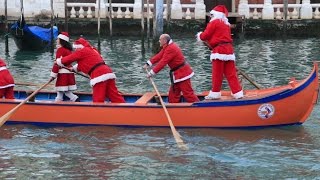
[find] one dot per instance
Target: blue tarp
(42, 33)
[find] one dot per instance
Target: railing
(119, 10)
(123, 10)
(276, 11)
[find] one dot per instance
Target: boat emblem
(265, 111)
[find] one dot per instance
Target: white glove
(198, 36)
(150, 74)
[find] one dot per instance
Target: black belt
(95, 66)
(221, 44)
(171, 73)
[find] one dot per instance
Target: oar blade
(178, 140)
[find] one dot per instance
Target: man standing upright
(218, 35)
(180, 70)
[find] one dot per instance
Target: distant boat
(289, 104)
(32, 38)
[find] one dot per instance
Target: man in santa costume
(89, 61)
(65, 82)
(6, 82)
(217, 36)
(180, 70)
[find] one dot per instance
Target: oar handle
(81, 74)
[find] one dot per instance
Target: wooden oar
(27, 84)
(175, 133)
(5, 117)
(239, 70)
(81, 74)
(248, 78)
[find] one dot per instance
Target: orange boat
(284, 105)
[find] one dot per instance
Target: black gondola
(32, 37)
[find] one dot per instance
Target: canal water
(102, 152)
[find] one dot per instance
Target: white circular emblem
(266, 111)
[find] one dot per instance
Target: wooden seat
(145, 98)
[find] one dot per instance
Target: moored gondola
(32, 38)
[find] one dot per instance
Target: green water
(98, 152)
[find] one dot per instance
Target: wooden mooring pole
(52, 14)
(66, 16)
(285, 15)
(142, 27)
(157, 24)
(142, 17)
(148, 20)
(7, 29)
(110, 17)
(99, 49)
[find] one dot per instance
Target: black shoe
(77, 100)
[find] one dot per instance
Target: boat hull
(30, 42)
(285, 105)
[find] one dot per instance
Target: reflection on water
(101, 152)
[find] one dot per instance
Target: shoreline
(180, 28)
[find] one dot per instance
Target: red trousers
(107, 89)
(227, 69)
(186, 88)
(7, 93)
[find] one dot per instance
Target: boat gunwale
(284, 93)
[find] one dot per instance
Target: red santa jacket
(218, 35)
(87, 58)
(61, 52)
(6, 79)
(172, 56)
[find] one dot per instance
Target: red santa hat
(64, 36)
(81, 43)
(219, 11)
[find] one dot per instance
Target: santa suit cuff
(54, 75)
(149, 63)
(198, 36)
(59, 62)
(238, 95)
(151, 72)
(75, 67)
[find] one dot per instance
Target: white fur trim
(198, 36)
(149, 63)
(151, 72)
(66, 88)
(3, 68)
(64, 71)
(63, 37)
(182, 79)
(75, 67)
(222, 57)
(238, 95)
(217, 14)
(101, 78)
(54, 75)
(6, 86)
(59, 62)
(77, 46)
(213, 95)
